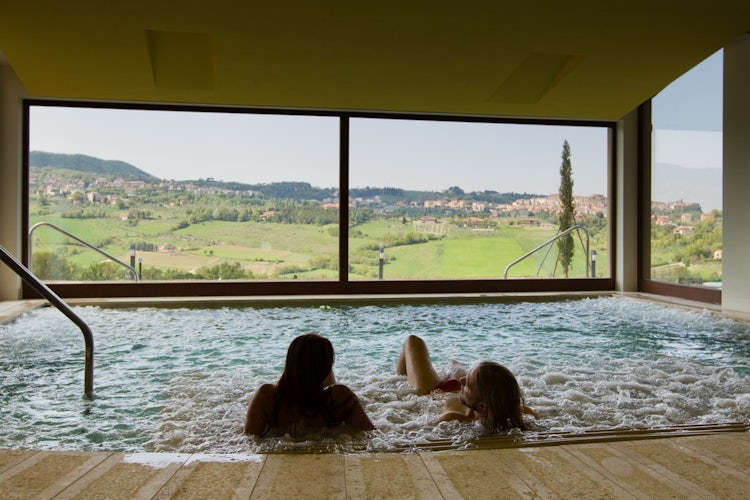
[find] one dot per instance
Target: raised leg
(414, 362)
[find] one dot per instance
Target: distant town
(101, 189)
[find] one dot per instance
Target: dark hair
(309, 360)
(499, 390)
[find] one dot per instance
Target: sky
(687, 118)
(418, 155)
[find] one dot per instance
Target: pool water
(180, 379)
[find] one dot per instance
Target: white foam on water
(155, 460)
(179, 380)
(225, 458)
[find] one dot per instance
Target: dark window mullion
(344, 200)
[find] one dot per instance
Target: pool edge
(689, 466)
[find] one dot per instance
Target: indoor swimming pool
(179, 379)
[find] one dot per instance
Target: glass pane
(686, 191)
(181, 195)
(456, 200)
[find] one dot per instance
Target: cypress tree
(568, 213)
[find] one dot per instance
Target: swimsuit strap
(328, 394)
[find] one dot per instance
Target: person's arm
(455, 415)
(350, 409)
(453, 409)
(528, 411)
(259, 410)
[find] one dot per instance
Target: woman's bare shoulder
(342, 397)
(265, 392)
(341, 391)
(259, 410)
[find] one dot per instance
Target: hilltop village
(525, 208)
(123, 192)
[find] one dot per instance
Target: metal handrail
(549, 242)
(46, 292)
(133, 272)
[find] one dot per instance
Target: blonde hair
(499, 390)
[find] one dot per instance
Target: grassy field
(471, 255)
(701, 272)
(286, 251)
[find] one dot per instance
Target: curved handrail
(46, 292)
(133, 272)
(549, 242)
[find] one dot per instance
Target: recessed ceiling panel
(181, 60)
(531, 80)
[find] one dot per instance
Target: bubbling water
(179, 380)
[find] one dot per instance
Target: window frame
(645, 283)
(342, 286)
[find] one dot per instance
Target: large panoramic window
(686, 179)
(255, 198)
(172, 195)
(459, 200)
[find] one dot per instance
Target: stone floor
(711, 465)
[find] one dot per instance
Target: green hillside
(83, 163)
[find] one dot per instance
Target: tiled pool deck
(714, 465)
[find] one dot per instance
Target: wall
(11, 93)
(626, 196)
(736, 259)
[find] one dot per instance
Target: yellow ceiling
(546, 58)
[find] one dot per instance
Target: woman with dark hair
(488, 392)
(306, 397)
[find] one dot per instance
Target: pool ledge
(12, 309)
(712, 465)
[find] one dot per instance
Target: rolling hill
(83, 163)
